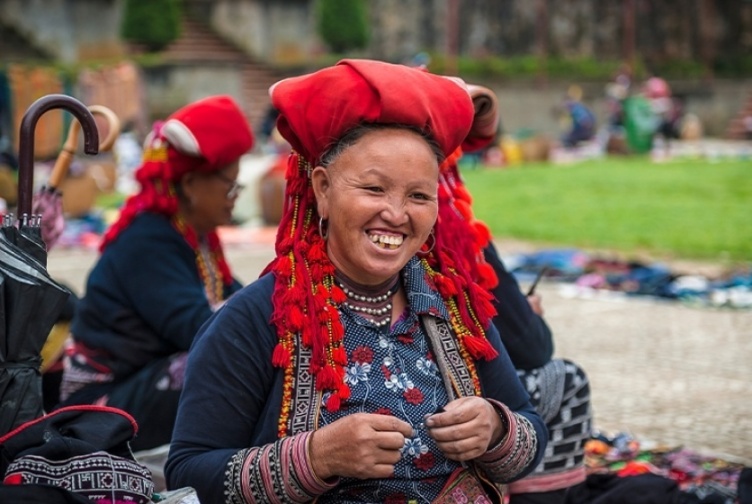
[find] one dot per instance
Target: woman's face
(210, 197)
(379, 198)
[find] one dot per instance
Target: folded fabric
(83, 449)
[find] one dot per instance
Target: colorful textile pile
(595, 274)
(696, 474)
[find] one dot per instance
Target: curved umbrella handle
(64, 159)
(26, 140)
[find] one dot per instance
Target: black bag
(82, 449)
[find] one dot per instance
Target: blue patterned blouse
(392, 371)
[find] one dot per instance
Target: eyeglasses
(235, 187)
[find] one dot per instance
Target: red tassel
(445, 259)
(443, 193)
(461, 192)
(317, 253)
(327, 378)
(339, 356)
(344, 392)
(338, 295)
(464, 209)
(479, 348)
(338, 330)
(445, 286)
(481, 302)
(324, 316)
(296, 318)
(303, 247)
(333, 403)
(487, 276)
(285, 245)
(281, 356)
(294, 296)
(305, 336)
(284, 266)
(483, 232)
(328, 268)
(320, 298)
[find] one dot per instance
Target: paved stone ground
(662, 371)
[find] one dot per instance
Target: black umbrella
(31, 300)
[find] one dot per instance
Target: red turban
(205, 136)
(315, 110)
(211, 133)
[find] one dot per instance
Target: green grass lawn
(685, 209)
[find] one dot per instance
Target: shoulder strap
(454, 372)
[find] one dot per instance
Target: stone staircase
(17, 48)
(198, 43)
(737, 129)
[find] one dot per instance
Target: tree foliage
(154, 23)
(343, 24)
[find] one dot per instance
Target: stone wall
(170, 87)
(69, 30)
(283, 32)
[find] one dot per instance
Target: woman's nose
(395, 212)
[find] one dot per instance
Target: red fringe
(318, 252)
(344, 392)
(296, 318)
(479, 348)
(445, 286)
(338, 330)
(339, 356)
(284, 266)
(464, 209)
(328, 379)
(333, 402)
(281, 356)
(482, 232)
(461, 192)
(487, 276)
(338, 295)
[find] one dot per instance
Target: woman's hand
(466, 429)
(360, 445)
(536, 304)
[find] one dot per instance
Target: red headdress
(460, 231)
(204, 136)
(315, 110)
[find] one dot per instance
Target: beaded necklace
(372, 302)
(208, 269)
(207, 261)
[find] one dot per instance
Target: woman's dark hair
(352, 136)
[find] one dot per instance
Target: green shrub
(343, 24)
(153, 23)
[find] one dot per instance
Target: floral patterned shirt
(392, 371)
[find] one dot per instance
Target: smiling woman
(336, 363)
(378, 217)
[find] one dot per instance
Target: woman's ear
(322, 185)
(187, 186)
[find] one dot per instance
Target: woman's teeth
(384, 241)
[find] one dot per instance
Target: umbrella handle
(26, 140)
(64, 159)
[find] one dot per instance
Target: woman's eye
(421, 196)
(373, 189)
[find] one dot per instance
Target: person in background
(362, 366)
(579, 119)
(161, 273)
(559, 388)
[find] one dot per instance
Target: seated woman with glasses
(162, 272)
